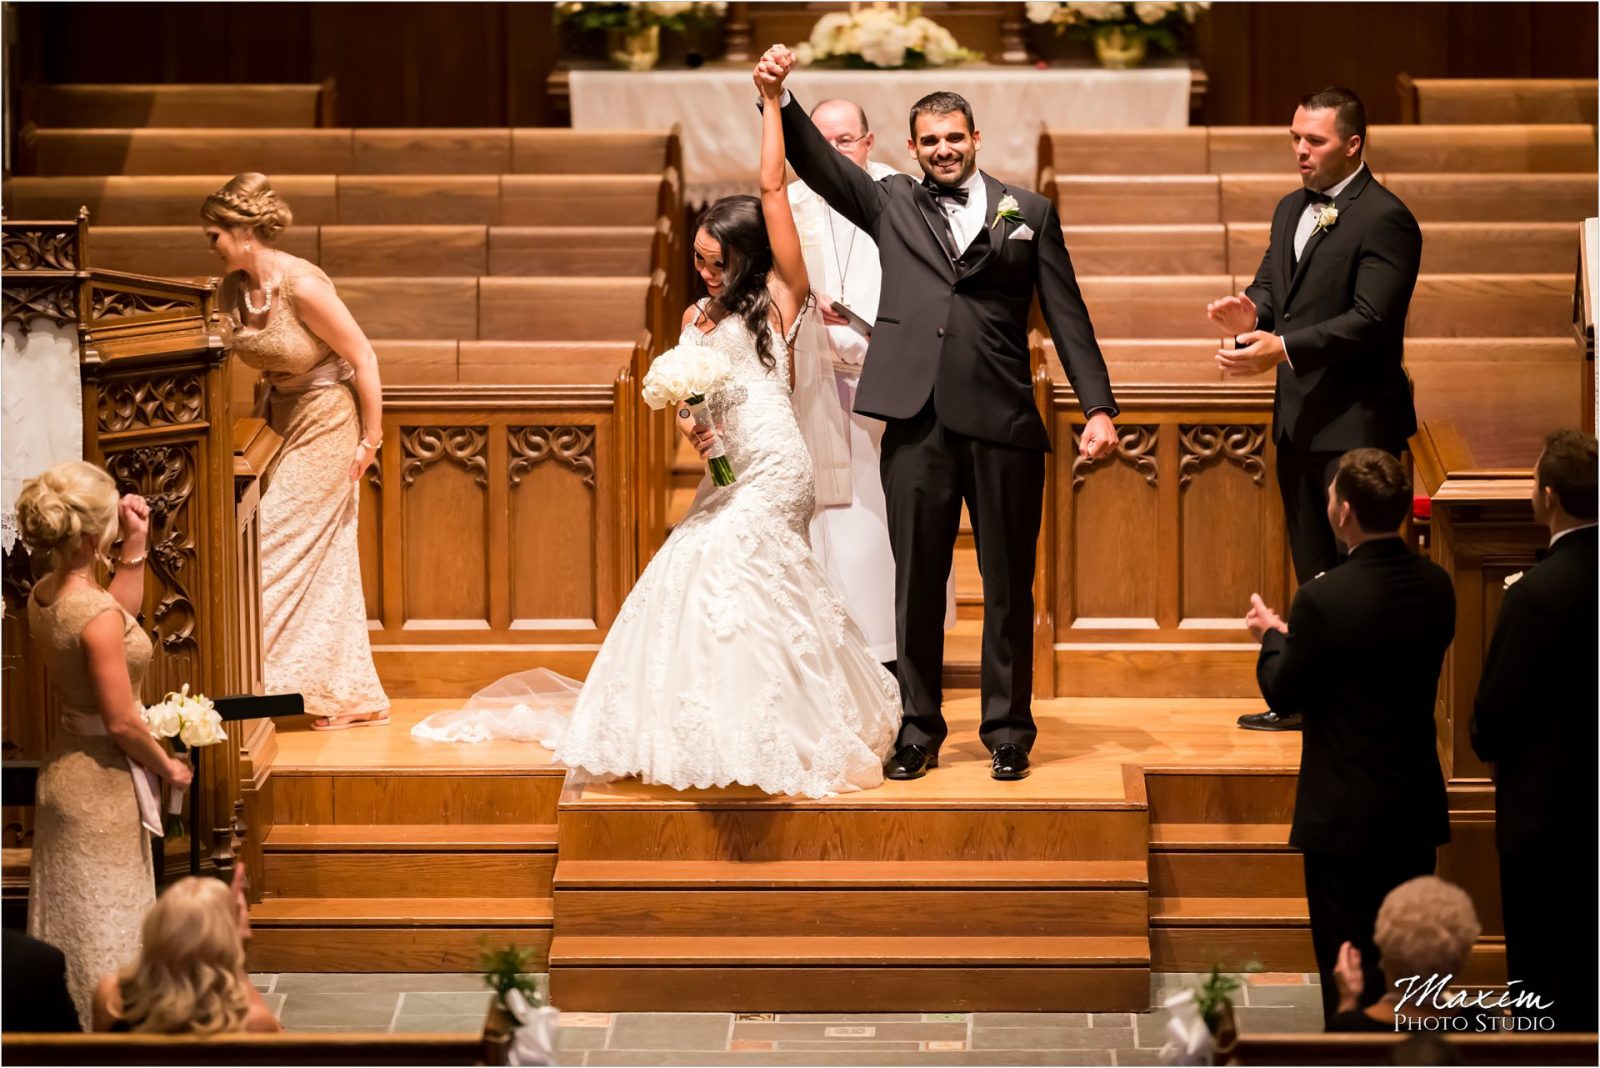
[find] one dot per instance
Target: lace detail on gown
(92, 875)
(731, 661)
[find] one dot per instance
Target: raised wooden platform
(1152, 835)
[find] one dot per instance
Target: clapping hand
(773, 68)
(1261, 351)
(1233, 315)
(1347, 973)
(1261, 619)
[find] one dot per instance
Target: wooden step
(362, 796)
(1222, 837)
(393, 934)
(1219, 796)
(908, 912)
(873, 974)
(1235, 948)
(1230, 874)
(855, 874)
(761, 829)
(1227, 911)
(411, 837)
(262, 106)
(402, 912)
(409, 874)
(931, 951)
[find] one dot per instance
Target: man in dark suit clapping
(1360, 655)
(1534, 721)
(1327, 309)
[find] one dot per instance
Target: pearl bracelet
(373, 445)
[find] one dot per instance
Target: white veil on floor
(528, 706)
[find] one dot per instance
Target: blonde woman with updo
(320, 391)
(92, 874)
(190, 977)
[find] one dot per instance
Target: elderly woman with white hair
(1426, 928)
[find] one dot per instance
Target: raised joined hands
(773, 67)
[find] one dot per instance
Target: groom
(948, 371)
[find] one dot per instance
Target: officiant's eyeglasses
(846, 141)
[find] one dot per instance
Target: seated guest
(1534, 722)
(1360, 655)
(35, 996)
(1425, 928)
(190, 976)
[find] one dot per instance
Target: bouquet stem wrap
(717, 459)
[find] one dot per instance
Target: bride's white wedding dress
(732, 661)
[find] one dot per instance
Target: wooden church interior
(517, 275)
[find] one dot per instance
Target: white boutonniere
(1326, 218)
(1007, 209)
(1512, 580)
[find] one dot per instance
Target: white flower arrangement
(193, 720)
(1163, 22)
(881, 37)
(672, 15)
(687, 374)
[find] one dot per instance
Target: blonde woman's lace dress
(91, 876)
(314, 613)
(732, 660)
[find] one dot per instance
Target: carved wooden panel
(445, 478)
(149, 402)
(1116, 530)
(1223, 488)
(52, 301)
(552, 479)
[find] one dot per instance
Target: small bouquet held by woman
(688, 375)
(194, 721)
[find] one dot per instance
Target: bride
(731, 661)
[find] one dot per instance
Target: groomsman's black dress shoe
(910, 762)
(1010, 763)
(1270, 721)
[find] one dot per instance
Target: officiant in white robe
(850, 532)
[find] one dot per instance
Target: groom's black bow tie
(957, 193)
(1314, 197)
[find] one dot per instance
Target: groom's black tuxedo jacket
(957, 329)
(1341, 310)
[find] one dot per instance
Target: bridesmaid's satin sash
(332, 371)
(146, 786)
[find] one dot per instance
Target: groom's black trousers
(928, 471)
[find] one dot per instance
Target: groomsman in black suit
(35, 987)
(1327, 309)
(948, 370)
(1534, 723)
(1360, 655)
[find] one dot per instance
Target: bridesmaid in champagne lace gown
(91, 876)
(320, 391)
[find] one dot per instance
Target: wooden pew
(1172, 249)
(1568, 147)
(1507, 392)
(1447, 247)
(400, 250)
(1429, 149)
(1203, 199)
(587, 200)
(290, 1047)
(95, 150)
(393, 200)
(102, 106)
(1434, 197)
(160, 200)
(562, 309)
(1481, 100)
(173, 150)
(1357, 1049)
(1451, 305)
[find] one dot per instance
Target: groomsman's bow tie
(1314, 197)
(957, 193)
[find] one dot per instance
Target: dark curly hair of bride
(739, 227)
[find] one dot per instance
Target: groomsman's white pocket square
(1021, 233)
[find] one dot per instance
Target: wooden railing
(156, 383)
(1147, 560)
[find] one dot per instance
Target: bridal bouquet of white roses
(194, 721)
(687, 375)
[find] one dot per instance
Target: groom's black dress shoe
(910, 762)
(1010, 763)
(1270, 721)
